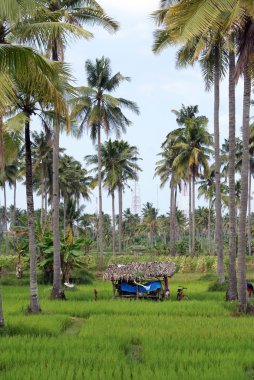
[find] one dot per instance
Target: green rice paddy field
(106, 339)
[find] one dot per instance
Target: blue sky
(156, 86)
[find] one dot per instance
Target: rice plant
(122, 339)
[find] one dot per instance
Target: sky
(156, 86)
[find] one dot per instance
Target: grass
(123, 340)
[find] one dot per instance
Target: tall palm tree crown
(95, 108)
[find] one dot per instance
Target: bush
(81, 276)
(216, 286)
(8, 262)
(182, 246)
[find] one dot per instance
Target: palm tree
(97, 109)
(17, 60)
(164, 169)
(110, 163)
(11, 144)
(150, 214)
(73, 182)
(130, 224)
(192, 144)
(119, 165)
(61, 20)
(73, 214)
(181, 222)
(13, 9)
(187, 21)
(232, 280)
(30, 98)
(251, 174)
(127, 171)
(203, 219)
(41, 149)
(207, 190)
(209, 47)
(182, 116)
(8, 176)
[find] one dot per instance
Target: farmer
(250, 289)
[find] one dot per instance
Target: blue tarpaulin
(146, 288)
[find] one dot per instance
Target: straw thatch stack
(134, 271)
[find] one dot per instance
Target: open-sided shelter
(140, 280)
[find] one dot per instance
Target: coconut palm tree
(127, 171)
(119, 165)
(182, 116)
(30, 99)
(212, 56)
(150, 214)
(164, 169)
(74, 182)
(41, 149)
(110, 163)
(96, 109)
(130, 224)
(11, 144)
(61, 21)
(190, 20)
(207, 189)
(13, 9)
(193, 146)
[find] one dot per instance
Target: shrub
(81, 276)
(216, 286)
(182, 246)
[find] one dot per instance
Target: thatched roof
(139, 270)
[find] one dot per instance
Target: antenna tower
(136, 198)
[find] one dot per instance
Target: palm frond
(38, 34)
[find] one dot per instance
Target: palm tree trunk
(100, 198)
(232, 280)
(5, 207)
(5, 218)
(249, 214)
(1, 311)
(190, 219)
(120, 202)
(14, 202)
(193, 217)
(57, 291)
(113, 223)
(34, 298)
(218, 225)
(2, 163)
(209, 227)
(42, 197)
(244, 194)
(172, 216)
(46, 203)
(46, 191)
(64, 215)
(174, 224)
(1, 144)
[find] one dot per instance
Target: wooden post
(166, 289)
